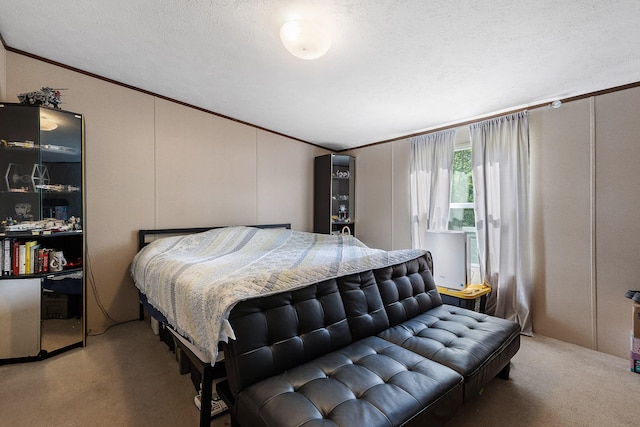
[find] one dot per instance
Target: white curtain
(500, 153)
(431, 165)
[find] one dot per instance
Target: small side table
(473, 297)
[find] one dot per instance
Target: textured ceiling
(396, 67)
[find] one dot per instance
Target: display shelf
(42, 213)
(42, 275)
(39, 233)
(334, 194)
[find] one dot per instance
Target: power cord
(104, 311)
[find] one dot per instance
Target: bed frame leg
(207, 394)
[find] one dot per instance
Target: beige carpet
(127, 377)
(553, 383)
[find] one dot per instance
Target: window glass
(461, 213)
(461, 183)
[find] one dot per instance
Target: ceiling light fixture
(305, 39)
(556, 104)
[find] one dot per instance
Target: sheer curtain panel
(431, 165)
(500, 158)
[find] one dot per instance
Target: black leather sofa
(376, 348)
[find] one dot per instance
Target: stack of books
(23, 257)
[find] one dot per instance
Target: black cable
(104, 311)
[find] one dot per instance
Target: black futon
(376, 348)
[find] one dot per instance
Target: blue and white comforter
(195, 280)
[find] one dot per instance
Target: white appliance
(451, 261)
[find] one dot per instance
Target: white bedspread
(195, 280)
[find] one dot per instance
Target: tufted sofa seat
(371, 382)
(377, 348)
(476, 345)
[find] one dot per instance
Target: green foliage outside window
(461, 191)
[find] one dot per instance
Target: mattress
(195, 280)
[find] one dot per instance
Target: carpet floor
(128, 377)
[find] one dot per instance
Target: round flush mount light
(556, 104)
(305, 39)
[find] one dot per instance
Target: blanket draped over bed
(195, 280)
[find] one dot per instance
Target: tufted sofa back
(278, 332)
(407, 289)
(363, 305)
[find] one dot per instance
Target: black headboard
(143, 235)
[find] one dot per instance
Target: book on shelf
(19, 257)
(28, 256)
(6, 256)
(45, 260)
(33, 262)
(6, 260)
(15, 258)
(22, 258)
(40, 260)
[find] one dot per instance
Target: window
(461, 214)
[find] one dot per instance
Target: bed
(191, 279)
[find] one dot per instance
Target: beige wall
(561, 182)
(401, 205)
(153, 163)
(382, 195)
(617, 203)
(374, 193)
(584, 203)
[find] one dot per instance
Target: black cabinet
(41, 235)
(334, 194)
